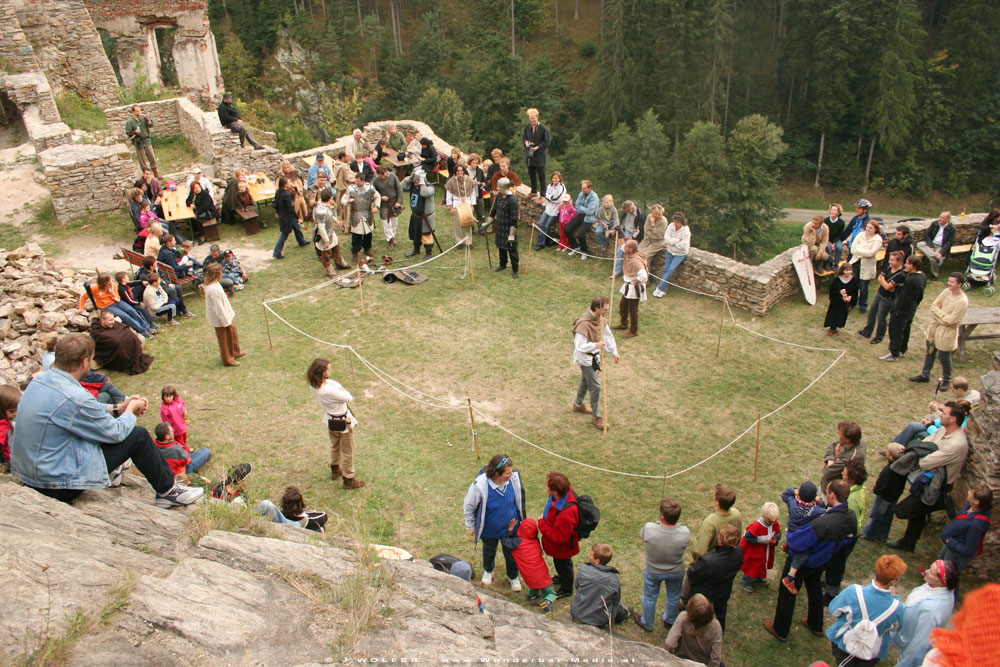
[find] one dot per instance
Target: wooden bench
(133, 258)
(190, 281)
(955, 250)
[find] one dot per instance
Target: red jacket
(176, 454)
(558, 528)
(528, 555)
(5, 440)
(759, 558)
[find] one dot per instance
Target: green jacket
(142, 124)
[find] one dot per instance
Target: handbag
(338, 423)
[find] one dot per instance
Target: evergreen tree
(754, 146)
(444, 112)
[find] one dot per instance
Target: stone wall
(85, 178)
(33, 97)
(133, 24)
(373, 132)
(983, 467)
(15, 49)
(36, 300)
(67, 48)
(163, 113)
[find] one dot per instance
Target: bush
(588, 49)
(80, 114)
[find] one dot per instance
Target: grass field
(507, 345)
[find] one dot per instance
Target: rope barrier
(444, 404)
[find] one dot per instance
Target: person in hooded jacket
(495, 497)
(558, 525)
(523, 542)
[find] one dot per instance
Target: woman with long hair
(221, 315)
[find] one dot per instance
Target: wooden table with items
(973, 318)
(260, 187)
(174, 207)
(402, 167)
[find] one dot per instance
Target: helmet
(863, 203)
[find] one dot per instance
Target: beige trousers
(342, 451)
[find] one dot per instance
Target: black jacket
(228, 114)
(540, 137)
(824, 536)
(204, 207)
(905, 246)
(946, 241)
(910, 295)
(889, 485)
(284, 205)
(712, 574)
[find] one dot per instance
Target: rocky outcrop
(154, 593)
(37, 301)
(983, 467)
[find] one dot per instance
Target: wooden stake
(468, 261)
(722, 319)
(756, 454)
(531, 244)
(475, 434)
(663, 492)
(489, 255)
(604, 384)
(268, 325)
(361, 293)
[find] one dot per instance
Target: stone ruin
(36, 300)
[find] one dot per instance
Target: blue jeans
(129, 317)
(838, 250)
(490, 557)
(280, 245)
(199, 457)
(651, 594)
(747, 580)
(170, 310)
(602, 235)
(912, 430)
(545, 224)
(960, 561)
(618, 260)
(879, 520)
(863, 294)
(670, 264)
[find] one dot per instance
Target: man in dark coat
(116, 346)
(712, 575)
(905, 308)
(536, 144)
(506, 212)
(821, 539)
(230, 118)
(421, 211)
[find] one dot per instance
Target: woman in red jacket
(558, 528)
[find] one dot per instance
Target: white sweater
(678, 240)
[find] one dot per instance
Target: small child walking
(174, 412)
(803, 507)
(523, 542)
(759, 542)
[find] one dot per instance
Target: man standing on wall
(589, 343)
(137, 129)
(230, 118)
(536, 144)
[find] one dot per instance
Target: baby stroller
(983, 264)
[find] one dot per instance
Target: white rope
(572, 249)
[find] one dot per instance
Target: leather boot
(428, 249)
(156, 172)
(337, 259)
(351, 483)
(354, 259)
(335, 472)
(330, 273)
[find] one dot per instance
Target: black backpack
(590, 516)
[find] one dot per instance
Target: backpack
(590, 516)
(862, 639)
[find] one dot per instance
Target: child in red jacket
(10, 396)
(530, 562)
(759, 542)
(178, 455)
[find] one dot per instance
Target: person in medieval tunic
(360, 198)
(759, 543)
(422, 221)
(461, 191)
(635, 276)
(386, 184)
(116, 347)
(506, 211)
(589, 343)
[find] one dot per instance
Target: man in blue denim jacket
(65, 441)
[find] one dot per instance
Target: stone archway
(12, 130)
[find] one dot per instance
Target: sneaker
(179, 496)
(515, 585)
(659, 294)
(189, 315)
(863, 334)
(888, 357)
(487, 578)
(789, 583)
(238, 473)
(118, 473)
(174, 323)
(748, 588)
(546, 606)
(875, 341)
(560, 594)
(583, 257)
(533, 594)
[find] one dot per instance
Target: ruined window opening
(12, 130)
(165, 45)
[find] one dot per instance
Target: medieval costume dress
(118, 348)
(836, 314)
(759, 542)
(506, 212)
(421, 212)
(461, 191)
(634, 270)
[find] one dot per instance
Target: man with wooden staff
(589, 342)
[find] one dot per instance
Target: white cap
(197, 170)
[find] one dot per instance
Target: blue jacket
(587, 205)
(825, 535)
(314, 174)
(847, 611)
(59, 425)
(800, 514)
(963, 535)
(853, 228)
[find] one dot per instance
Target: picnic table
(973, 318)
(260, 187)
(174, 207)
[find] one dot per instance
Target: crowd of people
(76, 431)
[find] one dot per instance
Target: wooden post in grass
(361, 293)
(489, 255)
(756, 452)
(468, 261)
(604, 384)
(663, 492)
(475, 434)
(531, 243)
(268, 325)
(722, 319)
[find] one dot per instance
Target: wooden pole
(268, 325)
(663, 492)
(489, 255)
(468, 260)
(756, 453)
(604, 384)
(361, 293)
(475, 434)
(722, 319)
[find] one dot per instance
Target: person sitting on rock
(177, 454)
(230, 118)
(66, 442)
(293, 511)
(10, 396)
(598, 600)
(116, 347)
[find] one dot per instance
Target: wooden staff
(663, 492)
(531, 243)
(475, 434)
(354, 379)
(604, 384)
(756, 454)
(722, 319)
(268, 325)
(468, 261)
(361, 294)
(489, 255)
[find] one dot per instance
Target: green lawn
(507, 346)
